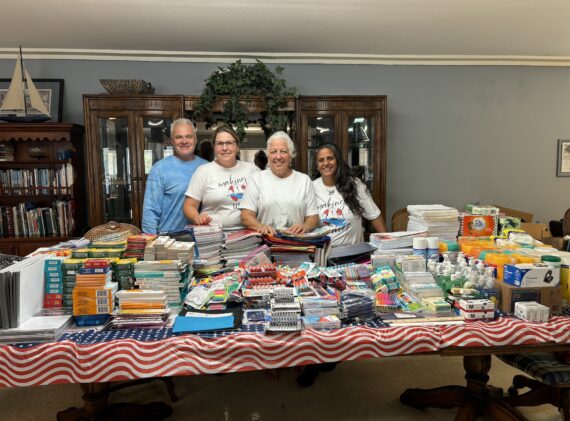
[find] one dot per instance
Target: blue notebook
(199, 321)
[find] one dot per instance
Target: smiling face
(326, 164)
(279, 157)
(226, 149)
(184, 141)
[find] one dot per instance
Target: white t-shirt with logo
(220, 189)
(346, 227)
(280, 202)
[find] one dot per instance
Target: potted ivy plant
(237, 85)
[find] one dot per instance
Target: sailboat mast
(24, 82)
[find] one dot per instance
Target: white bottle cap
(419, 243)
(432, 242)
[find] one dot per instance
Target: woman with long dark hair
(342, 199)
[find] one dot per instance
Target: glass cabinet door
(360, 147)
(319, 130)
(116, 165)
(156, 135)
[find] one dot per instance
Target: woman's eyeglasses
(227, 144)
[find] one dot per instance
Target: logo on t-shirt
(235, 187)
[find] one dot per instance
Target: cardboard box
(550, 297)
(531, 275)
(537, 231)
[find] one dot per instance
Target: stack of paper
(394, 240)
(209, 239)
(167, 276)
(239, 244)
(181, 250)
(139, 308)
(37, 329)
(438, 220)
(21, 291)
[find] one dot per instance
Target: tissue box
(531, 275)
(476, 305)
(531, 311)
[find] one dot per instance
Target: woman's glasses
(227, 144)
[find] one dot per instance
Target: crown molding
(292, 58)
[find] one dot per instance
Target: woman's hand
(296, 229)
(203, 219)
(266, 229)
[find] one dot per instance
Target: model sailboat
(23, 102)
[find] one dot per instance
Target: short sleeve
(198, 183)
(310, 199)
(250, 199)
(370, 210)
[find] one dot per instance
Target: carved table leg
(96, 407)
(473, 400)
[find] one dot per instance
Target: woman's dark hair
(206, 150)
(260, 159)
(344, 179)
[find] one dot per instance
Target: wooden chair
(549, 382)
(400, 220)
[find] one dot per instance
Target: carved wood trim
(256, 105)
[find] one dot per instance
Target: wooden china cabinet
(124, 136)
(357, 125)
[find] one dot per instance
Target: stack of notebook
(239, 244)
(209, 239)
(168, 276)
(136, 245)
(139, 308)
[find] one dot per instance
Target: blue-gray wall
(456, 134)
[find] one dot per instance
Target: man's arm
(153, 196)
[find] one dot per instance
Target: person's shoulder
(247, 167)
(199, 161)
(318, 182)
(301, 176)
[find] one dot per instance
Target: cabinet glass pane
(319, 130)
(156, 133)
(115, 157)
(361, 148)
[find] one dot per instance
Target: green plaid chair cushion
(542, 366)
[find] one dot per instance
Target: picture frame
(563, 167)
(51, 91)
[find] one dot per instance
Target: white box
(531, 311)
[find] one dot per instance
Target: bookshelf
(42, 192)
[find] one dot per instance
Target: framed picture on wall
(51, 92)
(563, 168)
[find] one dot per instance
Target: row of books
(24, 220)
(37, 181)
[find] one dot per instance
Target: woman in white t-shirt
(342, 199)
(216, 189)
(279, 197)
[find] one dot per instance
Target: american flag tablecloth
(92, 356)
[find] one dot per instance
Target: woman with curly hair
(342, 199)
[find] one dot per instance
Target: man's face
(184, 141)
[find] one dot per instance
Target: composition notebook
(191, 320)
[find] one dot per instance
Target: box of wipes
(531, 275)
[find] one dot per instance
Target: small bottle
(432, 247)
(419, 247)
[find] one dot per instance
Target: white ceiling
(291, 29)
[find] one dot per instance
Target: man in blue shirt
(168, 180)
